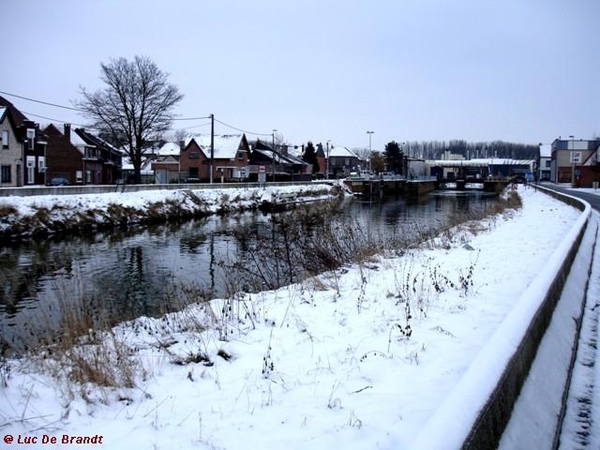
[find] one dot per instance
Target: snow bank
(43, 215)
(486, 393)
(361, 357)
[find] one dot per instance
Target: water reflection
(141, 271)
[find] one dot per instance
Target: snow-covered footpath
(357, 358)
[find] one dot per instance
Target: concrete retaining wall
(478, 423)
(489, 426)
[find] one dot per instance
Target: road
(580, 427)
(587, 195)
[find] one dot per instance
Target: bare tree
(134, 108)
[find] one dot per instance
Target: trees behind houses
(378, 162)
(394, 157)
(310, 157)
(134, 108)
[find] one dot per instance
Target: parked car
(361, 175)
(387, 176)
(58, 181)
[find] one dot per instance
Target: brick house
(575, 161)
(165, 163)
(100, 156)
(342, 161)
(279, 165)
(81, 157)
(230, 154)
(23, 148)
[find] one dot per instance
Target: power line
(40, 101)
(191, 118)
(243, 131)
(55, 105)
(22, 97)
(51, 119)
(196, 126)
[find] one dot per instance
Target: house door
(19, 175)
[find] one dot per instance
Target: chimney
(68, 131)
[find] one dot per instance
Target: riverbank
(360, 357)
(44, 215)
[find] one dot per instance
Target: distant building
(23, 148)
(229, 156)
(575, 161)
(80, 157)
(342, 161)
(545, 164)
(481, 168)
(279, 165)
(165, 163)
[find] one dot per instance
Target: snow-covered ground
(358, 358)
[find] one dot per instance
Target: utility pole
(327, 162)
(212, 146)
(572, 160)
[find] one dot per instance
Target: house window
(5, 175)
(4, 138)
(79, 176)
(30, 138)
(194, 154)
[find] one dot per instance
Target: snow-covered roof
(77, 141)
(225, 146)
(481, 162)
(342, 152)
(170, 149)
(280, 158)
(145, 169)
(546, 150)
(92, 140)
(2, 112)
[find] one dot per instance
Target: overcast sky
(481, 70)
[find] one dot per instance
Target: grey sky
(517, 70)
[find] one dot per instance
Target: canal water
(152, 270)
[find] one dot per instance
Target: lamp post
(273, 161)
(370, 133)
(572, 159)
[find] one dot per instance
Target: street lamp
(572, 159)
(370, 133)
(273, 161)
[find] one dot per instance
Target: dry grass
(7, 210)
(302, 242)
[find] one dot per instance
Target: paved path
(581, 424)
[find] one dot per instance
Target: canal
(121, 275)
